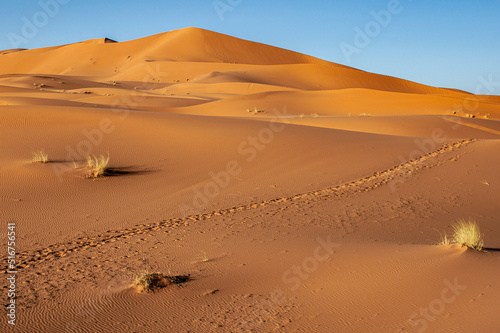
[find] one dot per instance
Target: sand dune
(218, 69)
(299, 194)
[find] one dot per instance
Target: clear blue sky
(448, 43)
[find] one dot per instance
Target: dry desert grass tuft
(465, 233)
(202, 258)
(445, 240)
(97, 166)
(40, 157)
(151, 282)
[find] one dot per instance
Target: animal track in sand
(32, 258)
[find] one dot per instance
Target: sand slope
(300, 195)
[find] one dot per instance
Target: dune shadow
(491, 249)
(127, 171)
(55, 161)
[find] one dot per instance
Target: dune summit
(295, 193)
(195, 71)
(216, 69)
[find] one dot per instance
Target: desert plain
(299, 195)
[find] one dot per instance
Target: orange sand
(301, 195)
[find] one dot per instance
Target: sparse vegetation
(255, 110)
(97, 166)
(467, 233)
(203, 258)
(444, 240)
(151, 282)
(40, 157)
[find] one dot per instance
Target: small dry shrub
(97, 166)
(151, 282)
(40, 157)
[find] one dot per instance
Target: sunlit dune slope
(178, 50)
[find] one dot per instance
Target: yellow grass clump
(445, 240)
(97, 166)
(151, 282)
(467, 233)
(40, 157)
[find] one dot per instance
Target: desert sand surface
(299, 195)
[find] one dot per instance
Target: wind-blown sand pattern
(298, 194)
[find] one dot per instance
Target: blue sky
(447, 43)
